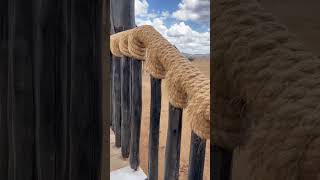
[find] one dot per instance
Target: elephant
(266, 93)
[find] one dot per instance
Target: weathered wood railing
(120, 100)
(172, 154)
(221, 158)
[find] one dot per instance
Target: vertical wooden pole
(116, 98)
(106, 95)
(136, 114)
(125, 106)
(65, 75)
(86, 90)
(48, 59)
(20, 115)
(3, 89)
(111, 74)
(172, 156)
(123, 19)
(197, 156)
(109, 61)
(155, 110)
(222, 161)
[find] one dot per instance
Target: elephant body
(266, 92)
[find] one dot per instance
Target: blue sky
(185, 23)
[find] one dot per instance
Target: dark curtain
(51, 89)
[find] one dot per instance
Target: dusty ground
(203, 65)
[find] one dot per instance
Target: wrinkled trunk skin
(267, 93)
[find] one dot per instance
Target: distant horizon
(196, 53)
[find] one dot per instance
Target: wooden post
(86, 89)
(125, 87)
(197, 156)
(116, 81)
(136, 114)
(111, 64)
(122, 18)
(21, 118)
(4, 153)
(109, 61)
(3, 114)
(116, 98)
(106, 95)
(53, 95)
(155, 110)
(125, 106)
(222, 161)
(66, 89)
(48, 76)
(172, 156)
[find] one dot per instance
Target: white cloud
(141, 7)
(194, 10)
(182, 36)
(189, 40)
(185, 38)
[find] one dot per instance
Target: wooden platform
(127, 173)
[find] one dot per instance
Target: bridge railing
(188, 89)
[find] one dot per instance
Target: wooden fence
(128, 133)
(126, 112)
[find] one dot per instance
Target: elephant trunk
(267, 94)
